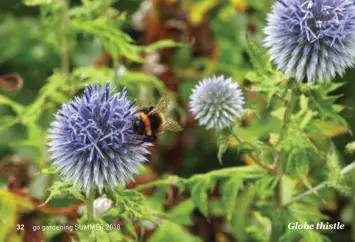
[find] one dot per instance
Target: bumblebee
(150, 121)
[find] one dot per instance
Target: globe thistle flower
(312, 39)
(92, 141)
(216, 102)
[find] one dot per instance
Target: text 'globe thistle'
(92, 142)
(216, 102)
(312, 39)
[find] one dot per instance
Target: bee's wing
(161, 106)
(171, 125)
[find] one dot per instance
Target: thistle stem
(279, 164)
(320, 186)
(90, 206)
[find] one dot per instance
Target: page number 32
(20, 227)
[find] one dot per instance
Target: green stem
(247, 172)
(90, 206)
(279, 165)
(254, 157)
(320, 186)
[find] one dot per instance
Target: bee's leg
(150, 139)
(140, 139)
(137, 111)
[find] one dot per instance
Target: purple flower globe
(92, 142)
(312, 40)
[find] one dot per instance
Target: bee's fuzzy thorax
(144, 117)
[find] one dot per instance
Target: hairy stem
(320, 186)
(279, 164)
(90, 206)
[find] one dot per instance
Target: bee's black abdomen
(155, 122)
(139, 127)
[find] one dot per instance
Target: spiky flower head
(92, 142)
(312, 39)
(216, 102)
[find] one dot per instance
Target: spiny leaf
(64, 189)
(324, 105)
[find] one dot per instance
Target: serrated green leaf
(181, 213)
(172, 232)
(288, 187)
(64, 189)
(259, 58)
(198, 189)
(324, 105)
(157, 200)
(241, 215)
(298, 150)
(265, 186)
(229, 191)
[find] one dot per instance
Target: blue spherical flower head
(312, 39)
(92, 142)
(216, 102)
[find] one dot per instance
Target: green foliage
(62, 189)
(298, 150)
(199, 193)
(229, 190)
(169, 231)
(335, 178)
(131, 208)
(323, 103)
(181, 213)
(37, 2)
